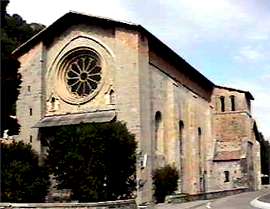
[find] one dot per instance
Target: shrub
(165, 182)
(22, 178)
(96, 161)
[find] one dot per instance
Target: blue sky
(226, 40)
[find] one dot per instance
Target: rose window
(79, 76)
(83, 75)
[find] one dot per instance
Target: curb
(199, 205)
(259, 204)
(186, 205)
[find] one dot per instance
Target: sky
(228, 41)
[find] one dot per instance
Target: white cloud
(213, 19)
(242, 27)
(48, 11)
(248, 54)
(258, 36)
(265, 77)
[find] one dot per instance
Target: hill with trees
(14, 32)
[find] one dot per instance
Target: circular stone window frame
(62, 87)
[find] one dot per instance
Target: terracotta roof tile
(227, 155)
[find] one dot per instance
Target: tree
(265, 155)
(165, 182)
(22, 178)
(14, 31)
(96, 161)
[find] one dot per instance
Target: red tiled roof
(227, 155)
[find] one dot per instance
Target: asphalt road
(265, 198)
(239, 201)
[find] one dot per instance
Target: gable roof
(67, 19)
(75, 17)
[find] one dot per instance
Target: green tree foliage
(165, 182)
(265, 155)
(22, 178)
(14, 31)
(96, 161)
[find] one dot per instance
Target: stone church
(84, 69)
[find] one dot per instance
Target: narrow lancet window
(222, 104)
(158, 132)
(181, 130)
(199, 131)
(200, 147)
(181, 153)
(112, 97)
(226, 176)
(199, 142)
(232, 103)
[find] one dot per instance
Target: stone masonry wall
(234, 140)
(29, 105)
(179, 75)
(91, 36)
(218, 176)
(144, 83)
(121, 204)
(177, 103)
(119, 50)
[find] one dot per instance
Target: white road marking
(259, 204)
(208, 205)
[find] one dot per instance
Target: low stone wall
(120, 204)
(180, 198)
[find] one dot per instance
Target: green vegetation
(165, 182)
(14, 31)
(22, 178)
(265, 158)
(96, 161)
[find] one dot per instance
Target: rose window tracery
(83, 75)
(79, 77)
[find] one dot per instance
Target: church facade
(85, 69)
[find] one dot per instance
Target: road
(239, 201)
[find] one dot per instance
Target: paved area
(188, 205)
(265, 198)
(239, 201)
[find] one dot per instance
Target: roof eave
(247, 93)
(174, 54)
(38, 37)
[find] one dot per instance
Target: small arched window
(222, 104)
(199, 142)
(181, 152)
(158, 117)
(232, 102)
(226, 176)
(112, 97)
(181, 130)
(53, 103)
(199, 131)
